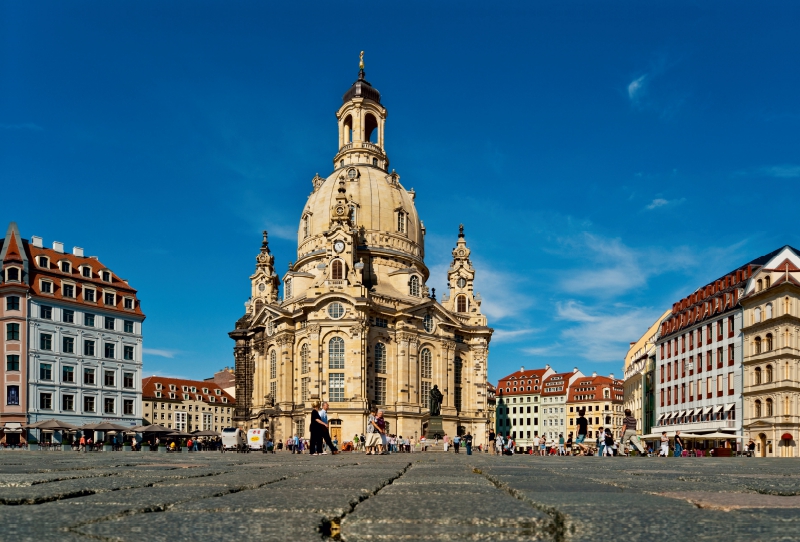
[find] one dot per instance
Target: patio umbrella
(719, 436)
(35, 425)
(180, 434)
(55, 424)
(88, 426)
(105, 426)
(205, 433)
(156, 429)
(135, 429)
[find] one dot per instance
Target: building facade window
(45, 341)
(127, 353)
(109, 299)
(46, 401)
(108, 405)
(12, 303)
(461, 303)
(109, 350)
(12, 362)
(88, 376)
(127, 326)
(88, 320)
(769, 407)
(12, 395)
(128, 407)
(68, 290)
(68, 345)
(305, 364)
(88, 295)
(305, 384)
(380, 358)
(127, 380)
(45, 312)
(401, 222)
(413, 286)
(68, 402)
(109, 378)
(108, 323)
(380, 390)
(68, 316)
(88, 404)
(273, 364)
(68, 374)
(336, 353)
(12, 332)
(337, 270)
(336, 387)
(88, 348)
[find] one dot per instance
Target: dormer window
(158, 394)
(12, 274)
(224, 399)
(110, 299)
(86, 271)
(172, 396)
(205, 390)
(172, 387)
(44, 261)
(218, 392)
(68, 290)
(66, 267)
(128, 303)
(185, 388)
(413, 286)
(47, 287)
(106, 276)
(212, 399)
(305, 226)
(158, 385)
(88, 295)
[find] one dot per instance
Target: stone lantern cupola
(361, 123)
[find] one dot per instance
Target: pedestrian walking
(499, 444)
(561, 450)
(468, 443)
(536, 444)
(355, 443)
(492, 438)
(456, 442)
(601, 441)
(381, 427)
(664, 445)
(569, 444)
(583, 427)
(316, 429)
(678, 444)
(608, 441)
(628, 433)
(373, 436)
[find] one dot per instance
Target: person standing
(316, 430)
(468, 443)
(499, 444)
(583, 428)
(456, 442)
(629, 433)
(561, 450)
(664, 445)
(355, 443)
(373, 436)
(446, 442)
(381, 427)
(536, 444)
(608, 449)
(492, 438)
(326, 433)
(678, 444)
(569, 444)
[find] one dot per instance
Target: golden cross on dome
(361, 61)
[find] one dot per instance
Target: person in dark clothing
(326, 434)
(316, 428)
(583, 429)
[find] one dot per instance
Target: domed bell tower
(361, 126)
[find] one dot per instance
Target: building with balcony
(78, 355)
(771, 345)
(638, 377)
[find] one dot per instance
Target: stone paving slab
(352, 497)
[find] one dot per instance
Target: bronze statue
(436, 401)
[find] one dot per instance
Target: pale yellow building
(357, 325)
(639, 361)
(771, 383)
(186, 405)
(601, 397)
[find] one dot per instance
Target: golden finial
(361, 61)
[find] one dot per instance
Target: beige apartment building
(186, 405)
(638, 381)
(771, 335)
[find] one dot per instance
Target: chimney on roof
(594, 374)
(547, 366)
(36, 240)
(575, 370)
(77, 251)
(58, 246)
(522, 369)
(632, 343)
(93, 257)
(611, 376)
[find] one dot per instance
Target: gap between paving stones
(330, 528)
(558, 529)
(74, 529)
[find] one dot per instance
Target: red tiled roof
(149, 390)
(553, 379)
(599, 383)
(511, 381)
(53, 271)
(12, 254)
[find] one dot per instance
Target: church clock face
(338, 246)
(462, 282)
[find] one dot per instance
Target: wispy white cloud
(636, 88)
(551, 350)
(162, 353)
(782, 172)
(603, 334)
(508, 335)
(24, 126)
(661, 202)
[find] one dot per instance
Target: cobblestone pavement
(435, 496)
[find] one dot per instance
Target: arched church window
(337, 270)
(757, 343)
(336, 353)
(757, 408)
(461, 303)
(427, 322)
(401, 222)
(287, 289)
(757, 376)
(273, 364)
(305, 226)
(769, 407)
(375, 162)
(425, 363)
(305, 363)
(768, 343)
(380, 358)
(768, 374)
(370, 128)
(413, 286)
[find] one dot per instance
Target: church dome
(362, 89)
(379, 204)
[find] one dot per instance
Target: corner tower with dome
(356, 324)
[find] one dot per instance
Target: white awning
(717, 409)
(707, 410)
(661, 417)
(690, 413)
(12, 427)
(671, 415)
(683, 413)
(729, 406)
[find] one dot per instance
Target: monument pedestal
(435, 428)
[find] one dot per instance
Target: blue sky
(606, 159)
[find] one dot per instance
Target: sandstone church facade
(356, 325)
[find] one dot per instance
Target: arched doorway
(762, 444)
(786, 445)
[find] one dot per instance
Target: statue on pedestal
(436, 401)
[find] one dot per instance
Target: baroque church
(356, 324)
